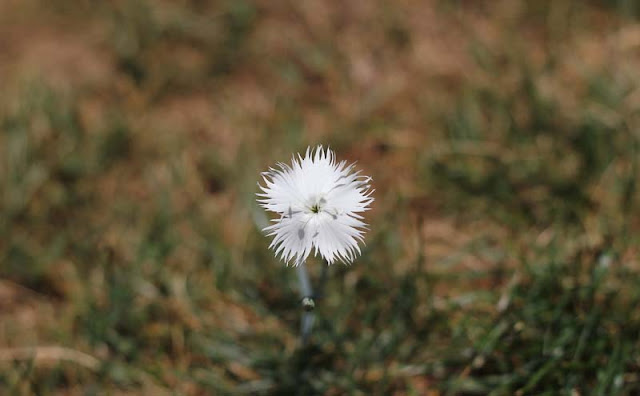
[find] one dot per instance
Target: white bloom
(319, 202)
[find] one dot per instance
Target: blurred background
(503, 138)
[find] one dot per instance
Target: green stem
(308, 302)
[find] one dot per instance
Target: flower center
(315, 204)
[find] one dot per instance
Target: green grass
(503, 251)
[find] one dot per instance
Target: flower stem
(307, 302)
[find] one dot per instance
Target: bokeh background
(503, 138)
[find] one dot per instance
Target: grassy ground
(504, 142)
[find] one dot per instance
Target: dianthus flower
(319, 202)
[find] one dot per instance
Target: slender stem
(303, 279)
(307, 301)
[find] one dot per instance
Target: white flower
(319, 202)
